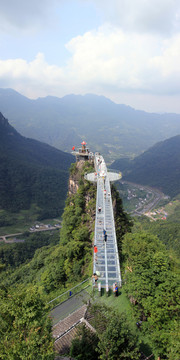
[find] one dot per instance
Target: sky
(126, 50)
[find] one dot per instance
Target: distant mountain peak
(5, 127)
(113, 129)
(3, 120)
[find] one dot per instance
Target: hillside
(149, 298)
(73, 262)
(158, 167)
(114, 130)
(31, 172)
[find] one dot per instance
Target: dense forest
(150, 280)
(158, 167)
(31, 173)
(152, 284)
(54, 267)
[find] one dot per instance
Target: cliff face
(73, 186)
(77, 182)
(76, 175)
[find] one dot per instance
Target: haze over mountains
(114, 130)
(31, 172)
(158, 167)
(117, 131)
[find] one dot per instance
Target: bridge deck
(106, 260)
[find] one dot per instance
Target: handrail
(68, 291)
(106, 267)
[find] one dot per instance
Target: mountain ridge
(31, 172)
(113, 129)
(158, 167)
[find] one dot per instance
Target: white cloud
(168, 62)
(35, 78)
(107, 61)
(125, 61)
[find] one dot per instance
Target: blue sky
(126, 50)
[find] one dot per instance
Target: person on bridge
(95, 249)
(115, 289)
(95, 277)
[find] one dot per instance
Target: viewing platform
(83, 153)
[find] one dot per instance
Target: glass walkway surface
(106, 259)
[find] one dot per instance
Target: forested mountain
(26, 289)
(158, 167)
(31, 172)
(114, 130)
(150, 286)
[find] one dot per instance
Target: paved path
(67, 307)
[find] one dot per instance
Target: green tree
(117, 341)
(153, 288)
(84, 345)
(25, 329)
(174, 341)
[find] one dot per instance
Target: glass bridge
(106, 259)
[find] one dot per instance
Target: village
(142, 200)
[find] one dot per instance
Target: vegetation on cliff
(78, 224)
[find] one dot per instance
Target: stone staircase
(65, 330)
(62, 345)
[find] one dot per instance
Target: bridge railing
(71, 292)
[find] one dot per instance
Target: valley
(16, 238)
(24, 220)
(139, 199)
